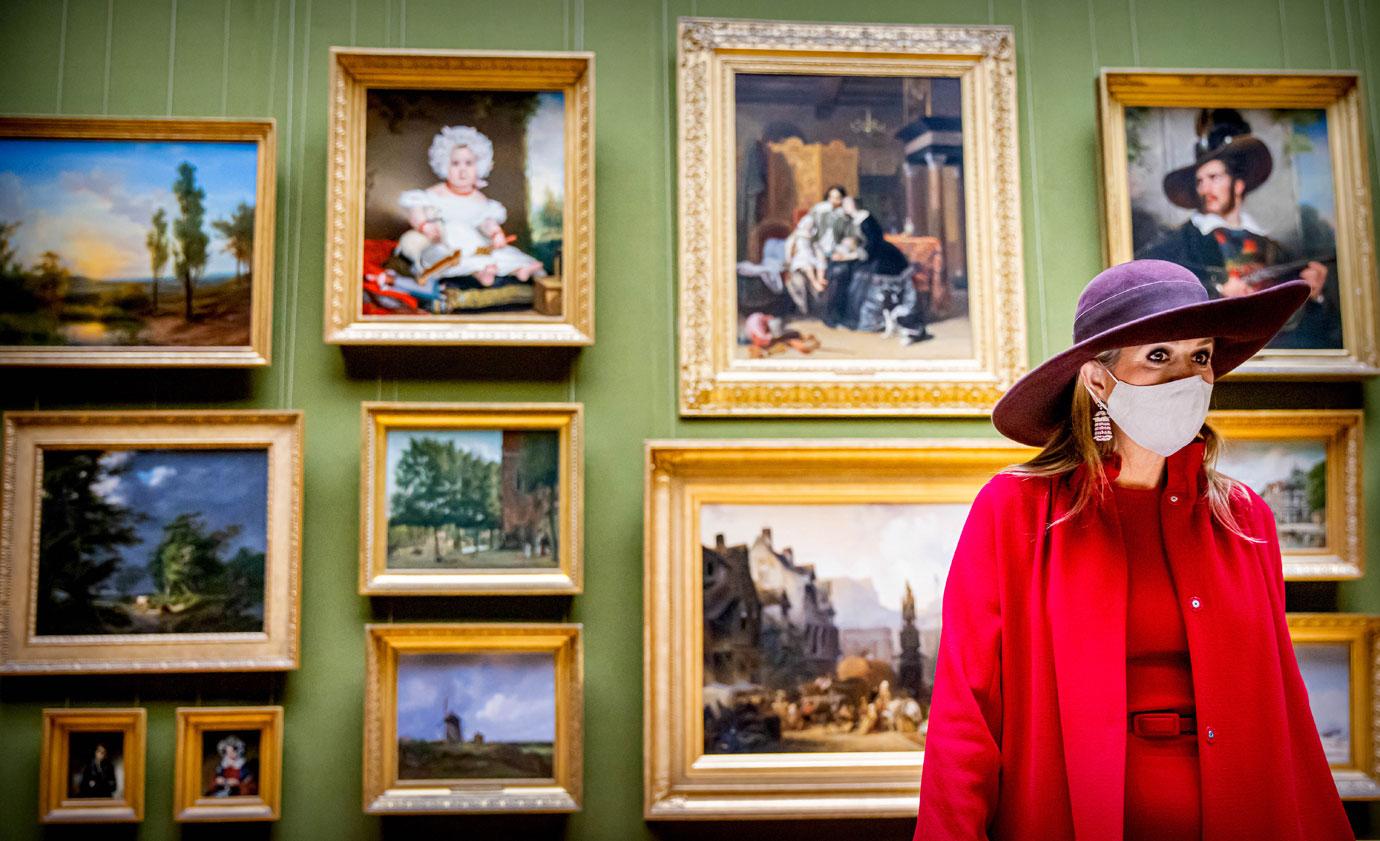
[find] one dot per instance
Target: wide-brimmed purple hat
(1137, 303)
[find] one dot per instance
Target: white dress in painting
(463, 220)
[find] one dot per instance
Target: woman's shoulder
(1010, 492)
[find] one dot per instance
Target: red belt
(1162, 725)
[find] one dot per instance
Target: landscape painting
(472, 498)
(1291, 476)
(128, 242)
(476, 716)
(1326, 669)
(152, 541)
(821, 624)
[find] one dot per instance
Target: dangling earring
(1102, 423)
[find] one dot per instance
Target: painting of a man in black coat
(95, 775)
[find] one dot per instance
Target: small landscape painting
(1326, 669)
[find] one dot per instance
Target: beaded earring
(1102, 423)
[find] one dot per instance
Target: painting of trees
(238, 232)
(157, 244)
(441, 485)
(190, 258)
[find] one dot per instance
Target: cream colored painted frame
(384, 793)
(189, 804)
(680, 781)
(1339, 93)
(54, 806)
(711, 52)
(376, 579)
(354, 72)
(28, 434)
(261, 132)
(1360, 779)
(1340, 431)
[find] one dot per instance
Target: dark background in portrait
(81, 748)
(260, 58)
(210, 758)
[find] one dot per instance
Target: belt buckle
(1156, 725)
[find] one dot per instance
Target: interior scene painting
(152, 541)
(1291, 476)
(851, 237)
(1244, 199)
(96, 764)
(230, 763)
(476, 716)
(464, 203)
(472, 498)
(1326, 669)
(126, 242)
(821, 624)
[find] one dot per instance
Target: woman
(1115, 662)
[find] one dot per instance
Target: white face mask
(1162, 418)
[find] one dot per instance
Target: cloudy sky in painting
(1326, 669)
(507, 697)
(91, 200)
(1258, 463)
(546, 149)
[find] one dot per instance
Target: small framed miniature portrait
(229, 764)
(136, 242)
(468, 498)
(1336, 654)
(1306, 464)
(1251, 179)
(150, 541)
(461, 198)
(473, 718)
(92, 766)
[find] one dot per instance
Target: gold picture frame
(191, 801)
(509, 575)
(1338, 433)
(255, 351)
(712, 53)
(387, 792)
(682, 779)
(1355, 766)
(57, 802)
(570, 289)
(120, 467)
(1339, 95)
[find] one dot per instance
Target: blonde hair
(1072, 446)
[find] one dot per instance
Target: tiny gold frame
(1359, 779)
(189, 803)
(681, 781)
(1340, 432)
(565, 419)
(354, 72)
(711, 52)
(1339, 94)
(54, 806)
(28, 434)
(385, 793)
(261, 132)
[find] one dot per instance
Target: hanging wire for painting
(297, 235)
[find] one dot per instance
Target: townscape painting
(92, 766)
(135, 242)
(1336, 654)
(229, 763)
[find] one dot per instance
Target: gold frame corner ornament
(355, 71)
(189, 805)
(710, 52)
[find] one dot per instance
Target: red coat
(1027, 731)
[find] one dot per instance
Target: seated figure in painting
(234, 775)
(456, 230)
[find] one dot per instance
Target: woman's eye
(1156, 356)
(1202, 358)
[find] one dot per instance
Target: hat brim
(1037, 405)
(1251, 155)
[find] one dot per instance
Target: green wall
(269, 58)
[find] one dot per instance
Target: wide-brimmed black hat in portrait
(1223, 135)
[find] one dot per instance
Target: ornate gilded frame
(262, 133)
(565, 419)
(54, 806)
(1337, 92)
(27, 434)
(681, 781)
(1359, 779)
(711, 51)
(189, 805)
(384, 793)
(354, 71)
(1340, 431)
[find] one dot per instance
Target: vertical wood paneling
(522, 25)
(139, 57)
(1305, 34)
(83, 70)
(30, 48)
(1188, 33)
(198, 57)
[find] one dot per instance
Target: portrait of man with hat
(1228, 249)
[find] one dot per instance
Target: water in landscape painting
(821, 624)
(1291, 476)
(472, 498)
(476, 716)
(126, 242)
(152, 541)
(1326, 669)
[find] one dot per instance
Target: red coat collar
(1184, 473)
